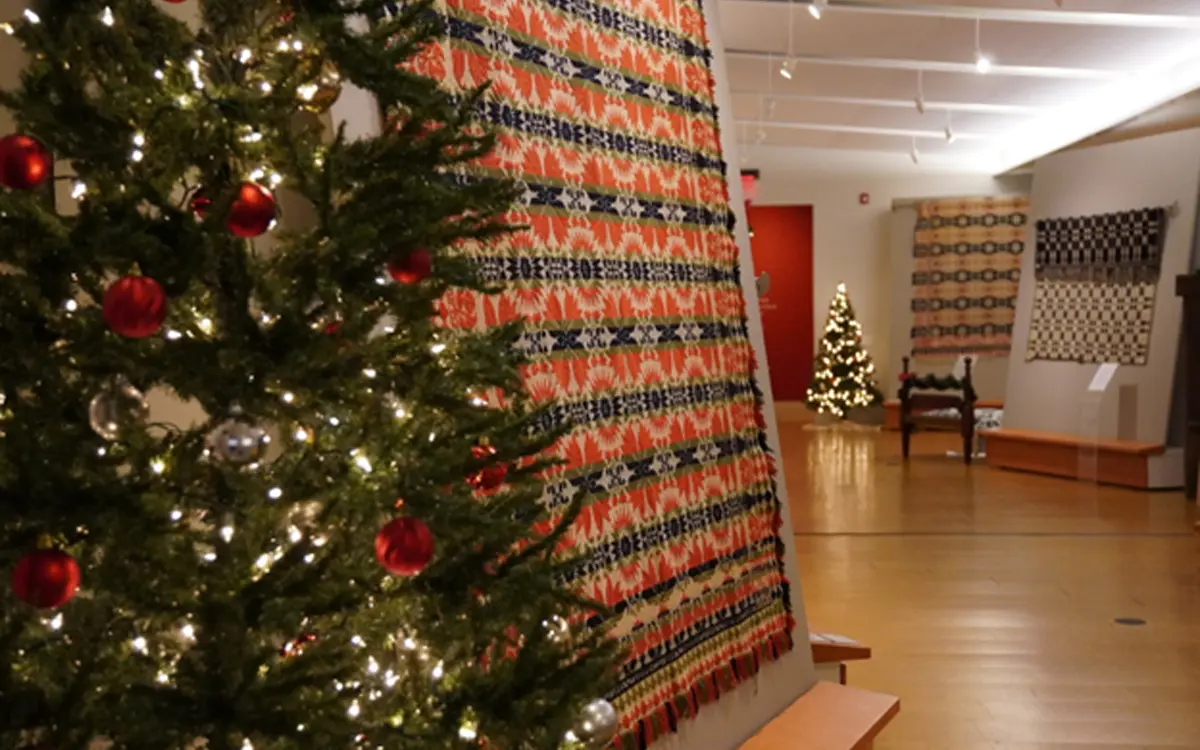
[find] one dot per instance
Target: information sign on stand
(1091, 413)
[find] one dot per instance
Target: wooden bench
(1120, 462)
(830, 653)
(828, 717)
(916, 405)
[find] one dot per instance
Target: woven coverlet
(1096, 278)
(966, 271)
(1091, 322)
(1127, 244)
(627, 277)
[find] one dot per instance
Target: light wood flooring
(989, 597)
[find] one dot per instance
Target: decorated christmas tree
(344, 545)
(842, 372)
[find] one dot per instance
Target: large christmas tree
(842, 372)
(340, 550)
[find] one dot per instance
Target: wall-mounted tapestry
(1125, 245)
(966, 272)
(1096, 278)
(628, 279)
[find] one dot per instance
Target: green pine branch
(245, 606)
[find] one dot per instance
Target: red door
(782, 247)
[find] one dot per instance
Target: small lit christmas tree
(842, 373)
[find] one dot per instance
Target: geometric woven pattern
(1099, 245)
(966, 272)
(627, 278)
(1092, 322)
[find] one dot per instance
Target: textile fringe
(665, 719)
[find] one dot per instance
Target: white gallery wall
(1160, 170)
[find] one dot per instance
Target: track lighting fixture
(817, 8)
(983, 63)
(920, 100)
(914, 154)
(950, 136)
(762, 135)
(770, 109)
(785, 69)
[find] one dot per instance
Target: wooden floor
(989, 597)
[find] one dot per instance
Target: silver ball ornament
(117, 406)
(558, 630)
(238, 441)
(597, 724)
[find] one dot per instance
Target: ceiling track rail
(937, 106)
(933, 66)
(820, 127)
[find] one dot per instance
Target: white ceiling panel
(1172, 7)
(1059, 74)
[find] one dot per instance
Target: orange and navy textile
(966, 271)
(628, 279)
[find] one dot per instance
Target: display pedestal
(1090, 412)
(1091, 419)
(1091, 422)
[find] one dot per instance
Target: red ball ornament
(46, 578)
(404, 546)
(488, 478)
(412, 268)
(200, 205)
(135, 306)
(252, 212)
(24, 162)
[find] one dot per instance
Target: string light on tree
(842, 371)
(268, 503)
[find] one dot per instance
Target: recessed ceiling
(1060, 72)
